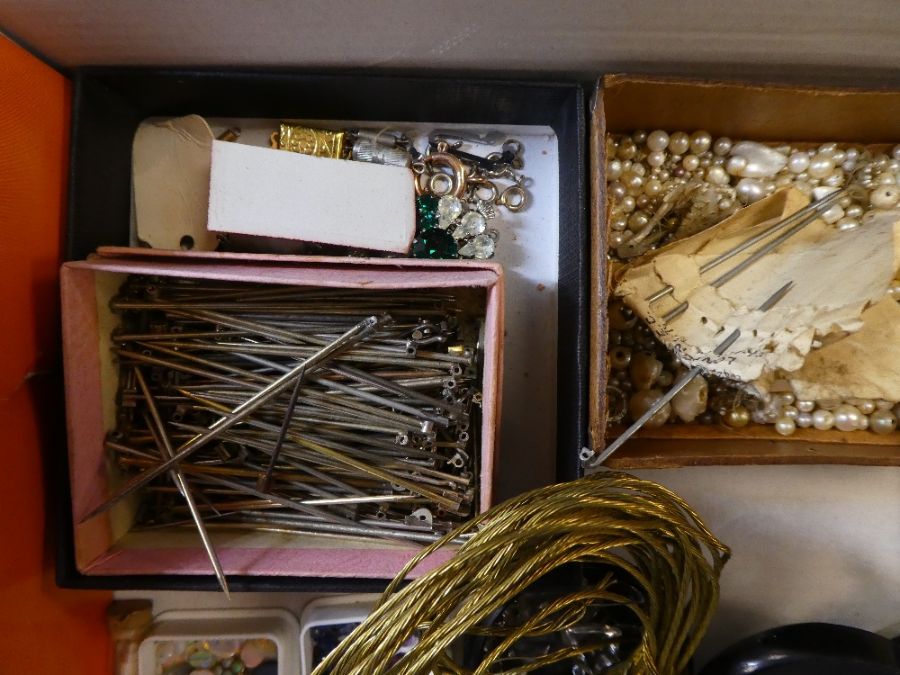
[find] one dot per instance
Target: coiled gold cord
(609, 518)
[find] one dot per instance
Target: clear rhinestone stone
(481, 246)
(471, 224)
(449, 209)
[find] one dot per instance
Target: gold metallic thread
(610, 518)
(309, 141)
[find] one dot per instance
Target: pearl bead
(884, 196)
(722, 146)
(679, 143)
(806, 406)
(643, 201)
(798, 162)
(866, 406)
(853, 211)
(617, 191)
(736, 165)
(618, 223)
(627, 149)
(637, 221)
(653, 187)
(632, 181)
(823, 419)
(700, 142)
(691, 162)
(834, 179)
(785, 426)
(613, 169)
(895, 153)
(639, 169)
(717, 175)
(863, 423)
(737, 417)
(616, 239)
(749, 190)
(852, 154)
(804, 420)
(726, 204)
(639, 136)
(833, 214)
(790, 412)
(847, 224)
(787, 398)
(657, 140)
(838, 156)
(656, 158)
(886, 178)
(820, 166)
(846, 417)
(883, 421)
(627, 204)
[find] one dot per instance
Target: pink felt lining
(96, 550)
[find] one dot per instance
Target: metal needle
(165, 447)
(352, 336)
(813, 208)
(680, 384)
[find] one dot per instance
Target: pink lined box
(105, 545)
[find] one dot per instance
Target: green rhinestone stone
(435, 243)
(426, 212)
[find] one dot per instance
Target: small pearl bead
(627, 149)
(823, 419)
(627, 204)
(691, 162)
(613, 169)
(853, 211)
(798, 162)
(700, 142)
(847, 224)
(749, 190)
(717, 175)
(833, 214)
(804, 420)
(787, 398)
(726, 204)
(639, 136)
(657, 140)
(722, 146)
(737, 417)
(656, 158)
(820, 166)
(853, 154)
(679, 143)
(846, 417)
(652, 187)
(785, 426)
(618, 238)
(643, 201)
(617, 191)
(886, 179)
(863, 423)
(806, 406)
(884, 196)
(790, 412)
(838, 156)
(866, 406)
(736, 164)
(637, 221)
(639, 169)
(632, 181)
(834, 179)
(883, 421)
(618, 223)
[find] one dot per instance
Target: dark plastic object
(108, 105)
(809, 649)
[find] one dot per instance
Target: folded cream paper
(836, 276)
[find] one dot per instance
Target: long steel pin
(352, 336)
(588, 457)
(165, 448)
(282, 433)
(812, 208)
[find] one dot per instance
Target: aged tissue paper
(836, 275)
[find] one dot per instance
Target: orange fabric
(43, 629)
